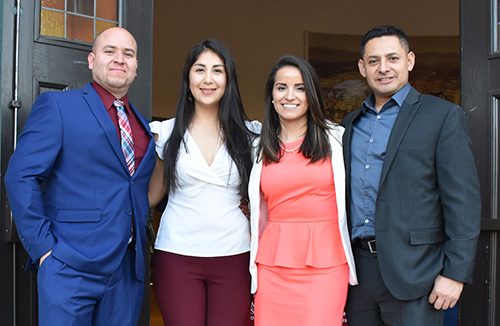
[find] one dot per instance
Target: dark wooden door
(37, 58)
(480, 303)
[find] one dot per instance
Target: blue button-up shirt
(370, 134)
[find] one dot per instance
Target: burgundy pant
(202, 291)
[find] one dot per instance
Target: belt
(368, 244)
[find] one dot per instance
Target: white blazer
(259, 211)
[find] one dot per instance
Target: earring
(272, 101)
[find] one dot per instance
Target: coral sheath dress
(302, 268)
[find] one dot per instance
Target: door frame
(480, 91)
(18, 297)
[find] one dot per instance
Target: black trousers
(371, 304)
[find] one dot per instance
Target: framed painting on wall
(335, 59)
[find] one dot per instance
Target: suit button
(367, 221)
(129, 212)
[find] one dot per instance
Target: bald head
(111, 30)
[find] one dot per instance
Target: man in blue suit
(413, 193)
(79, 206)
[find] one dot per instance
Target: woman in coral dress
(301, 259)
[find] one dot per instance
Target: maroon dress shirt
(139, 132)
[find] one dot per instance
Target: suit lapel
(403, 120)
(102, 117)
(346, 140)
(151, 145)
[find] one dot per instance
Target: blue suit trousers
(70, 297)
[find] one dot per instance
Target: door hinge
(20, 10)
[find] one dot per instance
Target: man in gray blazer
(412, 190)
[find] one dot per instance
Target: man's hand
(446, 292)
(43, 258)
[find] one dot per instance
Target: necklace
(289, 150)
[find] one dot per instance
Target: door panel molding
(479, 303)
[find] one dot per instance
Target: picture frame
(335, 59)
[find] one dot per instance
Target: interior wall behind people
(259, 32)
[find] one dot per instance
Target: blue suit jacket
(69, 187)
(428, 208)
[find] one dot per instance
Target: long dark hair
(232, 118)
(315, 145)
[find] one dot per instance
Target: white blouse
(202, 217)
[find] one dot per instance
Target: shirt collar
(398, 98)
(107, 98)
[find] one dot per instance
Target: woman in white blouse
(200, 275)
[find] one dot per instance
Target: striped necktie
(127, 146)
(126, 136)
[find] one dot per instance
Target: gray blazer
(428, 209)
